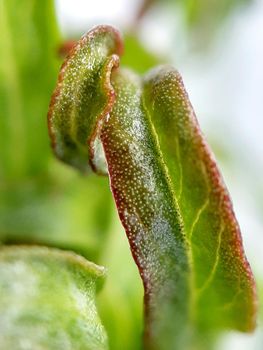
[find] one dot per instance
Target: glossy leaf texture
(169, 193)
(48, 300)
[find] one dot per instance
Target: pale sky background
(226, 89)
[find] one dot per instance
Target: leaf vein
(214, 268)
(197, 218)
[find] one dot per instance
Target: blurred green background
(216, 45)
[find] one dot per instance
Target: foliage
(45, 203)
(175, 209)
(48, 300)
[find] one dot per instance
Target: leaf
(28, 66)
(169, 193)
(136, 56)
(148, 213)
(48, 300)
(221, 277)
(84, 98)
(57, 213)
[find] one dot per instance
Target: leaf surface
(48, 300)
(169, 194)
(221, 277)
(85, 95)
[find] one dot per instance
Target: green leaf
(28, 66)
(57, 213)
(148, 213)
(85, 95)
(48, 300)
(136, 56)
(168, 190)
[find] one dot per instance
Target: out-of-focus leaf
(28, 65)
(40, 203)
(169, 193)
(136, 56)
(65, 213)
(120, 302)
(202, 17)
(48, 300)
(208, 13)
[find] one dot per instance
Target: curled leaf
(170, 197)
(84, 94)
(48, 300)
